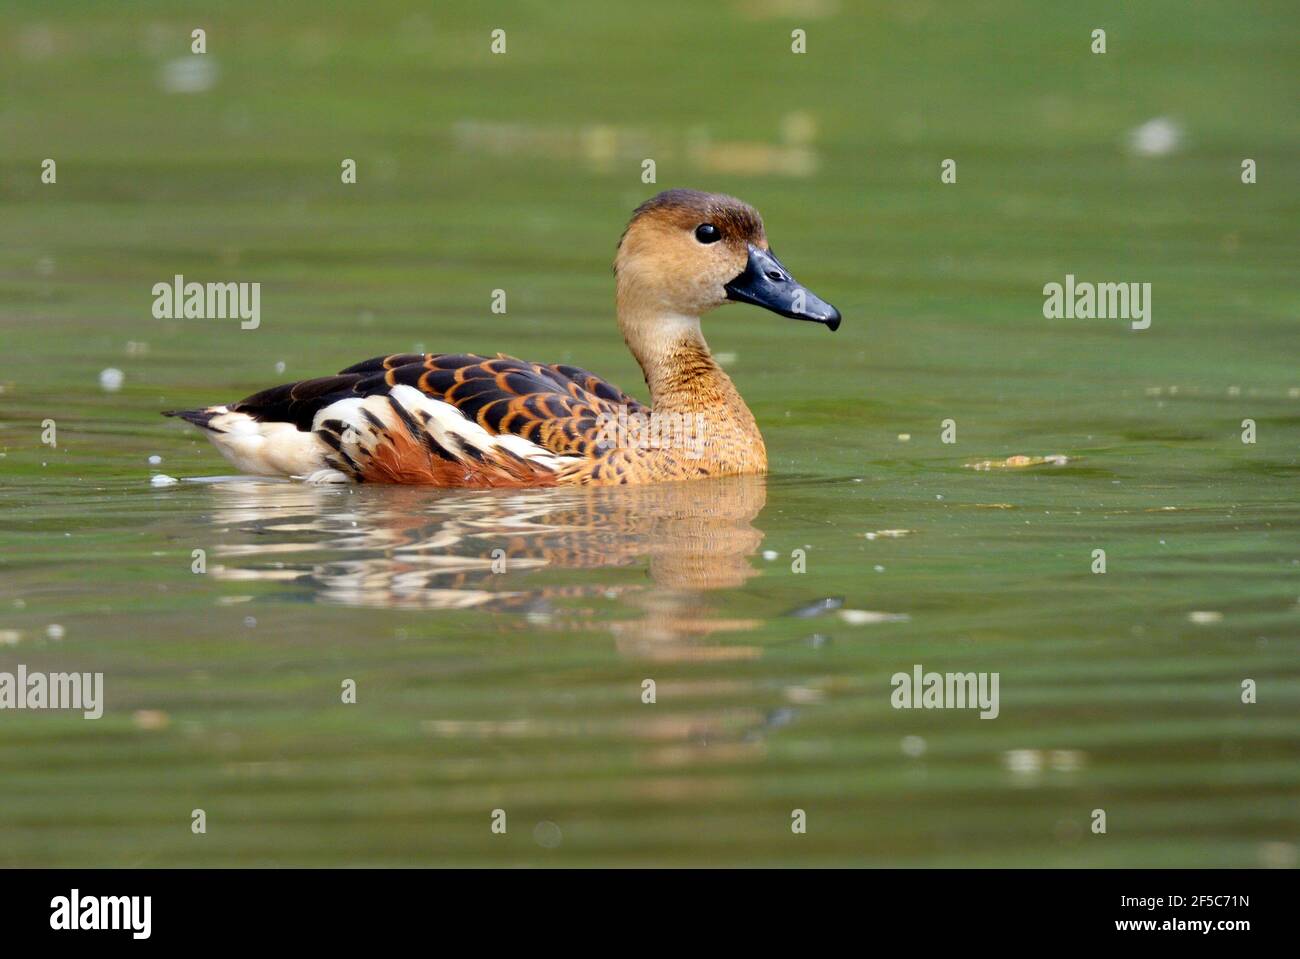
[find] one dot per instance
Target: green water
(522, 690)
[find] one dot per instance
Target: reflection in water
(405, 547)
(570, 566)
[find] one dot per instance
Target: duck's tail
(261, 448)
(200, 418)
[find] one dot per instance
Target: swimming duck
(462, 420)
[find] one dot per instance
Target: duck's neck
(679, 369)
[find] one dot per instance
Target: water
(499, 642)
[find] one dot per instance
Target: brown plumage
(473, 421)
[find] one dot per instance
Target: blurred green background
(522, 691)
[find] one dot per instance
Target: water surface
(499, 642)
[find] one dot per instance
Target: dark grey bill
(768, 284)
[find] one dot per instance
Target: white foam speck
(196, 73)
(1156, 138)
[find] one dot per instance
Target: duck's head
(686, 252)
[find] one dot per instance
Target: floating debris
(889, 533)
(55, 631)
(1278, 855)
(150, 719)
(1204, 617)
(819, 608)
(1157, 137)
(1023, 762)
(162, 479)
(779, 717)
(864, 617)
(111, 379)
(189, 74)
(547, 834)
(805, 695)
(1066, 760)
(913, 746)
(1020, 462)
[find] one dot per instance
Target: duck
(469, 421)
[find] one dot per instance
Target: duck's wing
(438, 419)
(560, 408)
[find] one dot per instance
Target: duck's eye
(708, 233)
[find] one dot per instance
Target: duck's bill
(768, 284)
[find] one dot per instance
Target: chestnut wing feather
(556, 406)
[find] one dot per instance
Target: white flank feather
(265, 449)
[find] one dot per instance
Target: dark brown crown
(687, 209)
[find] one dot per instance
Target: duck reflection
(653, 566)
(412, 548)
